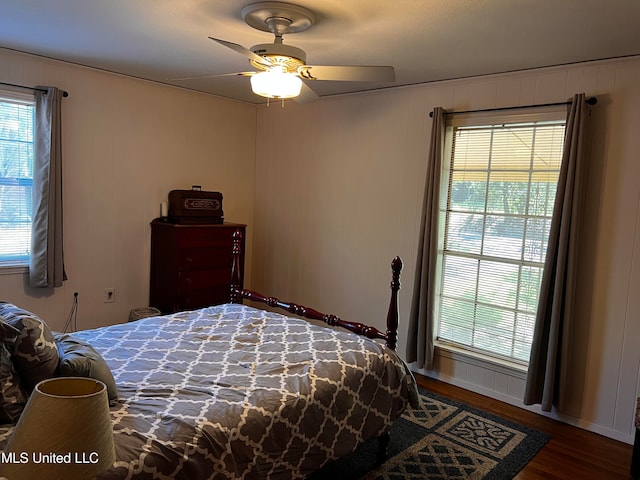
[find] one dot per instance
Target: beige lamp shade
(64, 432)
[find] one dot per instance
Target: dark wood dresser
(191, 264)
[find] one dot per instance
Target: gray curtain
(420, 335)
(548, 363)
(46, 268)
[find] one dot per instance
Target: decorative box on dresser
(191, 264)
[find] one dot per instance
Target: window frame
(486, 118)
(21, 265)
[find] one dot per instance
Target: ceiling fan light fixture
(276, 83)
(282, 68)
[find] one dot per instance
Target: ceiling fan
(281, 68)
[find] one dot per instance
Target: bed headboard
(390, 336)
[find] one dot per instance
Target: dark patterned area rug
(443, 440)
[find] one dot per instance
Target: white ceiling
(425, 40)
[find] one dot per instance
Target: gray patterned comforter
(233, 392)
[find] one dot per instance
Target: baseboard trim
(516, 402)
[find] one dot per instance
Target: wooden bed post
(392, 340)
(236, 280)
(392, 316)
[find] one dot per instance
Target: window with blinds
(500, 185)
(16, 177)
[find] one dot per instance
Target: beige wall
(339, 190)
(126, 144)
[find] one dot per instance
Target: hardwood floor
(571, 454)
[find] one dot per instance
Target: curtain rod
(590, 101)
(64, 94)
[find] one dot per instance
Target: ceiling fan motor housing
(288, 56)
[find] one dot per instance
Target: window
(500, 184)
(16, 177)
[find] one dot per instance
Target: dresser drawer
(202, 298)
(198, 279)
(206, 237)
(204, 258)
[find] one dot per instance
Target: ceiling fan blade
(213, 75)
(306, 94)
(348, 73)
(244, 51)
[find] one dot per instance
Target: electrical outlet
(109, 295)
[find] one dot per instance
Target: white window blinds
(16, 177)
(501, 185)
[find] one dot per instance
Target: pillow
(12, 396)
(80, 359)
(8, 334)
(34, 352)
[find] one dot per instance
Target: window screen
(16, 177)
(501, 186)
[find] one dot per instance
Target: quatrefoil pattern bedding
(233, 392)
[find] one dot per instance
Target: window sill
(484, 361)
(13, 269)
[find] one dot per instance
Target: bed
(238, 392)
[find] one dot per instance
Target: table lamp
(64, 432)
